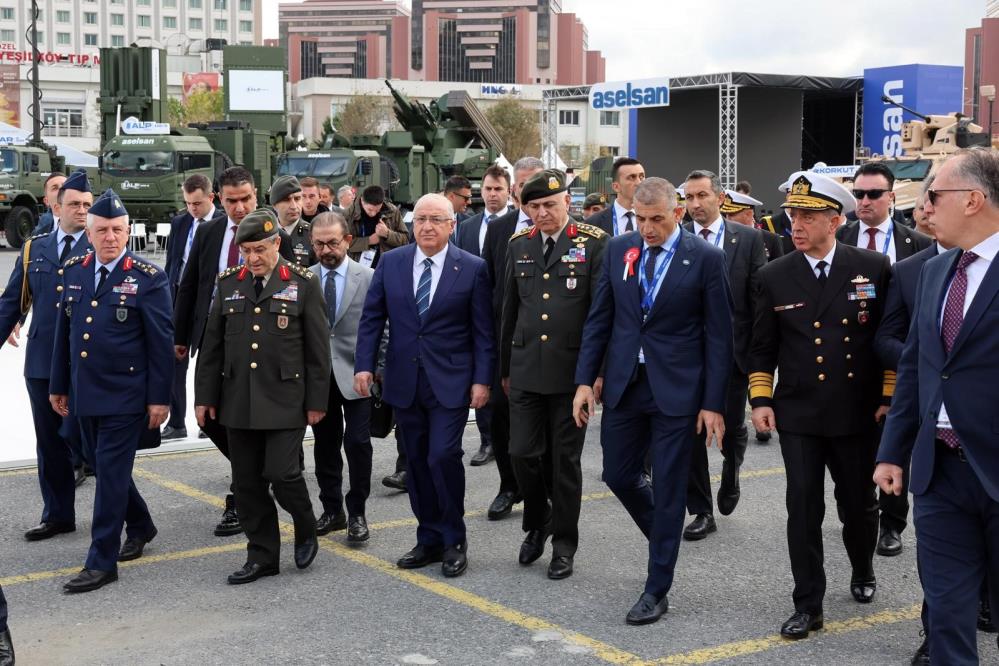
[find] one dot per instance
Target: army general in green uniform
(264, 370)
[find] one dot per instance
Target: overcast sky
(647, 38)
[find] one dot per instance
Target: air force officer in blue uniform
(439, 363)
(112, 366)
(662, 319)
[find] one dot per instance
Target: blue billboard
(929, 89)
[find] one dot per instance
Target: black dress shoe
(250, 572)
(455, 560)
(890, 543)
(799, 624)
(88, 470)
(90, 579)
(79, 476)
(421, 556)
(173, 433)
(560, 567)
(48, 530)
(133, 546)
(483, 456)
(985, 617)
(701, 526)
(202, 434)
(357, 529)
(502, 505)
(305, 552)
(331, 522)
(229, 524)
(6, 649)
(763, 437)
(533, 546)
(728, 498)
(922, 656)
(396, 481)
(647, 610)
(863, 589)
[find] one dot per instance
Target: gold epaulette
(232, 270)
(888, 384)
(76, 259)
(768, 220)
(591, 230)
(37, 236)
(523, 232)
(301, 270)
(148, 269)
(761, 385)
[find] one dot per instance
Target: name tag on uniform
(289, 293)
(792, 306)
(74, 286)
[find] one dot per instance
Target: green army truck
(23, 170)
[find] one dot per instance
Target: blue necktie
(330, 294)
(423, 289)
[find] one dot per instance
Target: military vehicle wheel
(20, 222)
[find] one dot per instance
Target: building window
(8, 36)
(194, 4)
(143, 21)
(246, 5)
(170, 22)
(117, 2)
(143, 3)
(63, 39)
(195, 24)
(117, 40)
(568, 118)
(90, 18)
(221, 5)
(62, 122)
(246, 26)
(610, 118)
(62, 16)
(609, 151)
(117, 19)
(170, 3)
(90, 40)
(221, 25)
(7, 13)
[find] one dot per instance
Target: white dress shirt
(976, 270)
(339, 275)
(523, 221)
(716, 232)
(110, 266)
(195, 223)
(436, 269)
(622, 219)
(485, 225)
(230, 233)
(60, 235)
(813, 262)
(879, 238)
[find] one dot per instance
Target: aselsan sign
(640, 93)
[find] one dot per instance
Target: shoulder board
(148, 269)
(591, 230)
(300, 270)
(76, 259)
(232, 270)
(522, 232)
(37, 236)
(303, 226)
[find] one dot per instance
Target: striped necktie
(423, 289)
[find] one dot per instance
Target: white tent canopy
(73, 157)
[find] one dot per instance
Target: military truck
(23, 170)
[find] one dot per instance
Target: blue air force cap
(77, 181)
(108, 205)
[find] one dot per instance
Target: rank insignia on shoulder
(792, 306)
(590, 230)
(299, 270)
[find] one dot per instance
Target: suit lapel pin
(732, 241)
(686, 262)
(455, 268)
(908, 240)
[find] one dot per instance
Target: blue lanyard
(891, 228)
(648, 289)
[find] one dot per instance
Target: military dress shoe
(357, 529)
(48, 530)
(229, 524)
(560, 567)
(396, 481)
(6, 649)
(533, 546)
(331, 522)
(250, 572)
(728, 498)
(863, 589)
(420, 556)
(79, 476)
(133, 546)
(922, 656)
(799, 624)
(890, 543)
(763, 437)
(985, 622)
(173, 433)
(483, 456)
(455, 560)
(90, 579)
(701, 526)
(502, 505)
(647, 610)
(305, 552)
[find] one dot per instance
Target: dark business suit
(430, 366)
(772, 245)
(686, 338)
(604, 220)
(46, 223)
(908, 241)
(956, 492)
(744, 256)
(779, 224)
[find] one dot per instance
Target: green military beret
(257, 226)
(283, 188)
(595, 199)
(543, 184)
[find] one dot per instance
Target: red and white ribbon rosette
(630, 258)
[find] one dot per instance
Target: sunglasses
(873, 195)
(932, 195)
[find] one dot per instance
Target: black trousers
(499, 435)
(851, 464)
(263, 459)
(355, 438)
(178, 394)
(733, 449)
(547, 468)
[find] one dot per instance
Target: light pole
(989, 92)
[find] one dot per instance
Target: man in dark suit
(439, 362)
(817, 310)
(619, 217)
(112, 364)
(665, 328)
(498, 235)
(779, 224)
(458, 191)
(471, 237)
(199, 200)
(49, 220)
(744, 256)
(213, 250)
(943, 408)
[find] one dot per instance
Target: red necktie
(953, 317)
(871, 233)
(233, 259)
(705, 233)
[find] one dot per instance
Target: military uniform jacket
(830, 381)
(545, 305)
(44, 276)
(265, 361)
(301, 243)
(113, 348)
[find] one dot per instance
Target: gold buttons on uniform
(822, 377)
(849, 356)
(817, 324)
(846, 322)
(819, 359)
(93, 304)
(546, 276)
(59, 288)
(545, 296)
(544, 338)
(83, 354)
(86, 336)
(846, 339)
(256, 327)
(544, 317)
(90, 320)
(256, 310)
(849, 375)
(131, 368)
(818, 341)
(253, 366)
(254, 345)
(231, 310)
(59, 271)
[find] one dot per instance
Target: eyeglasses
(331, 245)
(77, 204)
(932, 195)
(873, 195)
(432, 220)
(466, 197)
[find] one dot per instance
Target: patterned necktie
(871, 233)
(330, 294)
(423, 288)
(68, 245)
(258, 285)
(822, 277)
(629, 226)
(705, 233)
(490, 218)
(104, 276)
(233, 259)
(549, 247)
(953, 317)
